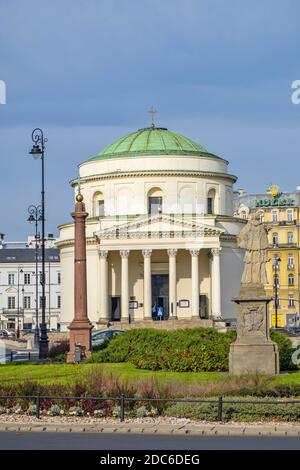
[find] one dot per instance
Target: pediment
(160, 225)
(11, 290)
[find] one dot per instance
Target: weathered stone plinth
(80, 335)
(253, 351)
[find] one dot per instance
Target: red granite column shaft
(80, 328)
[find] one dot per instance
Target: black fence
(122, 400)
(13, 356)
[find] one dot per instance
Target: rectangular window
(58, 301)
(210, 205)
(101, 208)
(27, 278)
(275, 238)
(290, 216)
(27, 302)
(11, 279)
(290, 237)
(275, 216)
(290, 260)
(154, 205)
(11, 303)
(291, 301)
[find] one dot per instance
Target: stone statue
(253, 351)
(253, 237)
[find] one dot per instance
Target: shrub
(285, 349)
(141, 412)
(76, 411)
(55, 410)
(193, 349)
(31, 410)
(237, 412)
(58, 351)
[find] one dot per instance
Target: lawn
(68, 373)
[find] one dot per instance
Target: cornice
(155, 173)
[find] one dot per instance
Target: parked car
(3, 334)
(98, 337)
(10, 333)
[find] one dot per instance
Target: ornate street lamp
(38, 151)
(20, 270)
(35, 216)
(276, 283)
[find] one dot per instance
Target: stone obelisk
(253, 351)
(80, 328)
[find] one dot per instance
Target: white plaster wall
(155, 162)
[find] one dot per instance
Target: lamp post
(276, 266)
(38, 151)
(20, 270)
(35, 216)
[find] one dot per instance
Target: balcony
(12, 312)
(290, 267)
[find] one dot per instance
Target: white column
(195, 283)
(172, 283)
(147, 285)
(103, 285)
(124, 285)
(216, 283)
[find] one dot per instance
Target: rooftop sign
(275, 202)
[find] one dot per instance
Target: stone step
(165, 325)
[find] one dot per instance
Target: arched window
(155, 201)
(291, 280)
(98, 204)
(211, 201)
(275, 238)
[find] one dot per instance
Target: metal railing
(122, 400)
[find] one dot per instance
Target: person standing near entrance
(154, 312)
(160, 312)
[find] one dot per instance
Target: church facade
(161, 235)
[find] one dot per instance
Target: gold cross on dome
(152, 111)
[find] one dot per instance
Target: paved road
(86, 441)
(18, 354)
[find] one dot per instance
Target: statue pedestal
(253, 352)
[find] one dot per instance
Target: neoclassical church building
(161, 236)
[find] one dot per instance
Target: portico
(186, 260)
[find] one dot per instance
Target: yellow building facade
(280, 213)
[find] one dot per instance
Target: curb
(127, 428)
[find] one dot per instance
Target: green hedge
(236, 412)
(182, 350)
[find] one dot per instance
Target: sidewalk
(217, 429)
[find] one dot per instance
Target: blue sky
(87, 71)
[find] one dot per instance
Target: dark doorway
(116, 308)
(203, 306)
(160, 296)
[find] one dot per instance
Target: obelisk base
(80, 335)
(253, 352)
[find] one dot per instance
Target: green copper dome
(152, 141)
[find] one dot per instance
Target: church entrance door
(160, 296)
(116, 308)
